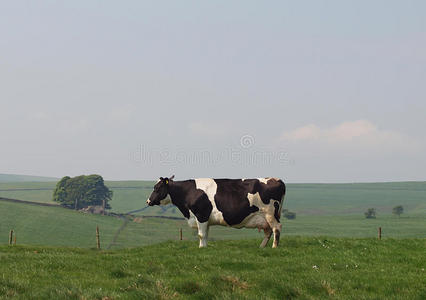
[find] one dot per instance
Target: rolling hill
(24, 178)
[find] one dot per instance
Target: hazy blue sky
(310, 91)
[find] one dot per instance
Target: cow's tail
(282, 198)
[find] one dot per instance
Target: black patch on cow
(254, 208)
(277, 211)
(201, 207)
(184, 210)
(178, 191)
(231, 200)
(274, 189)
(186, 196)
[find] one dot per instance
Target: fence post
(180, 234)
(10, 237)
(380, 233)
(98, 242)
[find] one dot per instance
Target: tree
(82, 191)
(370, 213)
(398, 210)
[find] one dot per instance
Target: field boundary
(118, 215)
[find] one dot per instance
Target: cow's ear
(171, 178)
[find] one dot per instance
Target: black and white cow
(251, 203)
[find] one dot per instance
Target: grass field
(57, 226)
(302, 268)
(327, 251)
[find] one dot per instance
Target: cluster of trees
(398, 210)
(82, 191)
(371, 212)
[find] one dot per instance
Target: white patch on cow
(260, 218)
(263, 180)
(203, 230)
(268, 211)
(209, 186)
(254, 220)
(192, 221)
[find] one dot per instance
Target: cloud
(360, 133)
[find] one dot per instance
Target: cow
(238, 203)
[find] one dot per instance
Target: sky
(308, 91)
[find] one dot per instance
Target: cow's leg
(277, 233)
(268, 234)
(203, 230)
(276, 229)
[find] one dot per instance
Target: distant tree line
(82, 191)
(370, 213)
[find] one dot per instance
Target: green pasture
(303, 268)
(57, 226)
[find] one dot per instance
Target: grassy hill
(322, 209)
(302, 268)
(24, 178)
(57, 226)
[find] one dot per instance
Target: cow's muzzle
(149, 202)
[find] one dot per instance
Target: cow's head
(160, 194)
